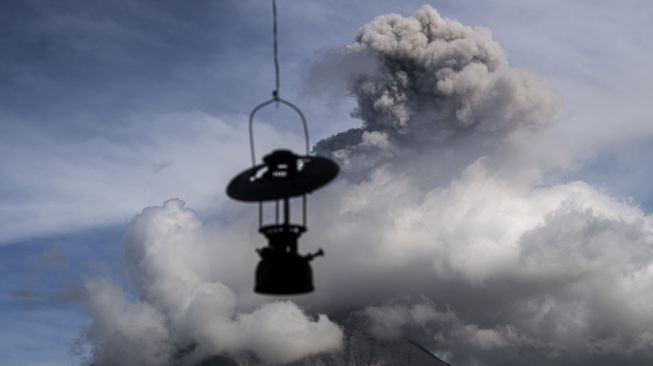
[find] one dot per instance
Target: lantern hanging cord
(275, 93)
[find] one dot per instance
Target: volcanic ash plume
(430, 80)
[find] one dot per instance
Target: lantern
(281, 176)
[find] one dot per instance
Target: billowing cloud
(445, 228)
(429, 80)
(512, 273)
(178, 309)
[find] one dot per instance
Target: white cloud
(179, 307)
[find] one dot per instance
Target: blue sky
(110, 107)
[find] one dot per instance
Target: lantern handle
(275, 99)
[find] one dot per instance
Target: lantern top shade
(283, 174)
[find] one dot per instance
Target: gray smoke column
(429, 80)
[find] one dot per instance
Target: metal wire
(268, 102)
(275, 92)
(276, 99)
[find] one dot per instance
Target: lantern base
(283, 273)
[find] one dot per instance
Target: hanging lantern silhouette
(282, 175)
